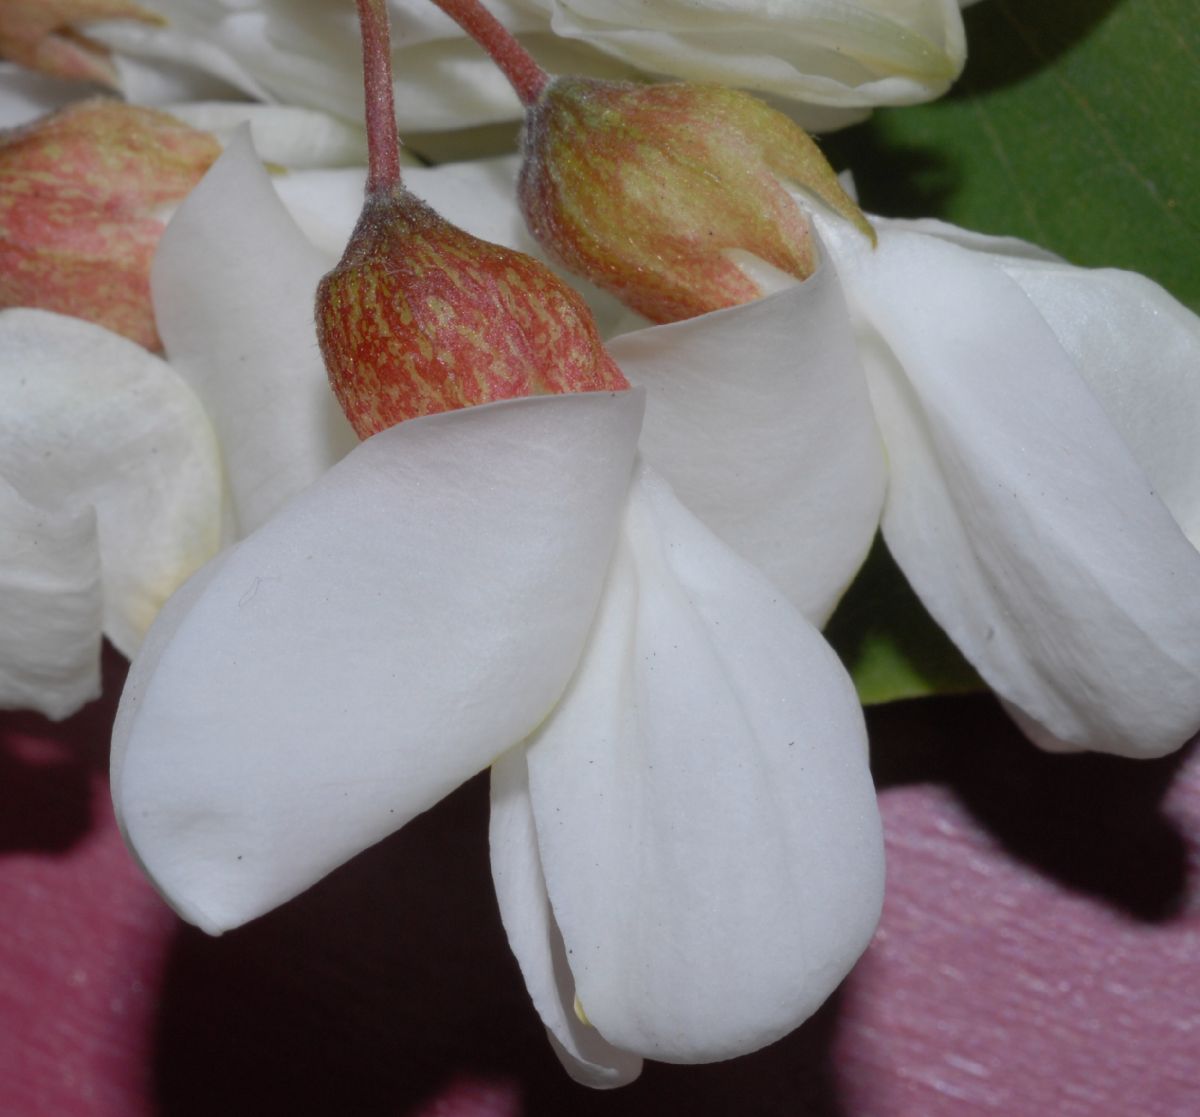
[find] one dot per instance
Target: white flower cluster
(612, 600)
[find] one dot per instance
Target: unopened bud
(80, 197)
(41, 35)
(420, 316)
(652, 191)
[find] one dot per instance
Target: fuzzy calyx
(79, 195)
(647, 189)
(420, 317)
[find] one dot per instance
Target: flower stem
(526, 77)
(383, 145)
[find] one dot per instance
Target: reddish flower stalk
(526, 77)
(383, 144)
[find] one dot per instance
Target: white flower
(110, 475)
(684, 834)
(1044, 492)
(836, 58)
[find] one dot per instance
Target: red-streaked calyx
(80, 199)
(420, 316)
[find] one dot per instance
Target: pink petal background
(1039, 955)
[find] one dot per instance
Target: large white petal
(90, 418)
(1018, 511)
(389, 633)
(534, 936)
(234, 283)
(49, 606)
(759, 417)
(704, 811)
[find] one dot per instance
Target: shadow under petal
(47, 769)
(1093, 823)
(389, 988)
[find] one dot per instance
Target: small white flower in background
(111, 475)
(834, 61)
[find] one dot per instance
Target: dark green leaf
(1074, 126)
(891, 646)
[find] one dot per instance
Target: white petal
(535, 938)
(1138, 350)
(285, 134)
(389, 633)
(843, 54)
(760, 419)
(89, 418)
(705, 815)
(1016, 509)
(479, 197)
(49, 606)
(234, 284)
(325, 204)
(969, 238)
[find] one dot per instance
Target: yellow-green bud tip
(647, 190)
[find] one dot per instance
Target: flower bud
(420, 317)
(80, 193)
(39, 34)
(651, 191)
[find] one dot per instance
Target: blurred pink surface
(1039, 954)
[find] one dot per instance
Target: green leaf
(890, 645)
(1074, 126)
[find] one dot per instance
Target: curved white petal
(90, 418)
(535, 938)
(285, 134)
(49, 606)
(389, 633)
(234, 283)
(968, 238)
(844, 53)
(759, 417)
(1017, 510)
(705, 815)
